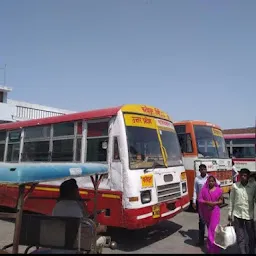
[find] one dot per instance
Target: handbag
(225, 236)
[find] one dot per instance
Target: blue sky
(193, 59)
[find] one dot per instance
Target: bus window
(78, 149)
(37, 132)
(244, 152)
(63, 129)
(116, 156)
(97, 134)
(185, 143)
(229, 152)
(97, 129)
(34, 151)
(62, 150)
(36, 148)
(2, 145)
(180, 129)
(95, 151)
(243, 141)
(13, 151)
(79, 129)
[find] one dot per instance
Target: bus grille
(168, 192)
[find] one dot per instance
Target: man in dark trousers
(241, 208)
(198, 184)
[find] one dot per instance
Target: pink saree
(210, 215)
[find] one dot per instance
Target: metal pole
(18, 221)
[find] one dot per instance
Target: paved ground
(175, 236)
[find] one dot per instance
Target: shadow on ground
(191, 240)
(132, 240)
(191, 237)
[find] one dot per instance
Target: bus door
(116, 167)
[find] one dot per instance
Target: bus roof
(197, 122)
(89, 115)
(240, 136)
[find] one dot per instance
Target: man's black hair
(202, 166)
(245, 170)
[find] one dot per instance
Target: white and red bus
(146, 182)
(203, 143)
(242, 150)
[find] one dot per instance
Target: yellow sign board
(146, 110)
(217, 132)
(156, 211)
(139, 121)
(147, 181)
(226, 189)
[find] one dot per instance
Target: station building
(14, 110)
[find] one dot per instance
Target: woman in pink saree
(210, 199)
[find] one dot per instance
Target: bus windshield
(210, 142)
(144, 147)
(171, 144)
(145, 150)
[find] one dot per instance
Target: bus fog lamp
(145, 196)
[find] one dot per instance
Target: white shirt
(67, 208)
(234, 172)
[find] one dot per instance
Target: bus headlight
(184, 187)
(145, 196)
(183, 176)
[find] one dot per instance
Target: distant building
(13, 110)
(240, 130)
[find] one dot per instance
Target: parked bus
(146, 181)
(242, 150)
(203, 142)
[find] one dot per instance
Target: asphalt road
(177, 235)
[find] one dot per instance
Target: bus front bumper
(151, 215)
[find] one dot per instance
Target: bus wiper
(154, 165)
(166, 157)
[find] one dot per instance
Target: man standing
(234, 172)
(241, 207)
(198, 184)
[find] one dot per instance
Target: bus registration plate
(156, 211)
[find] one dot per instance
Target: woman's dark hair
(66, 188)
(211, 176)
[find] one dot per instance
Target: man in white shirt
(234, 172)
(198, 184)
(241, 207)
